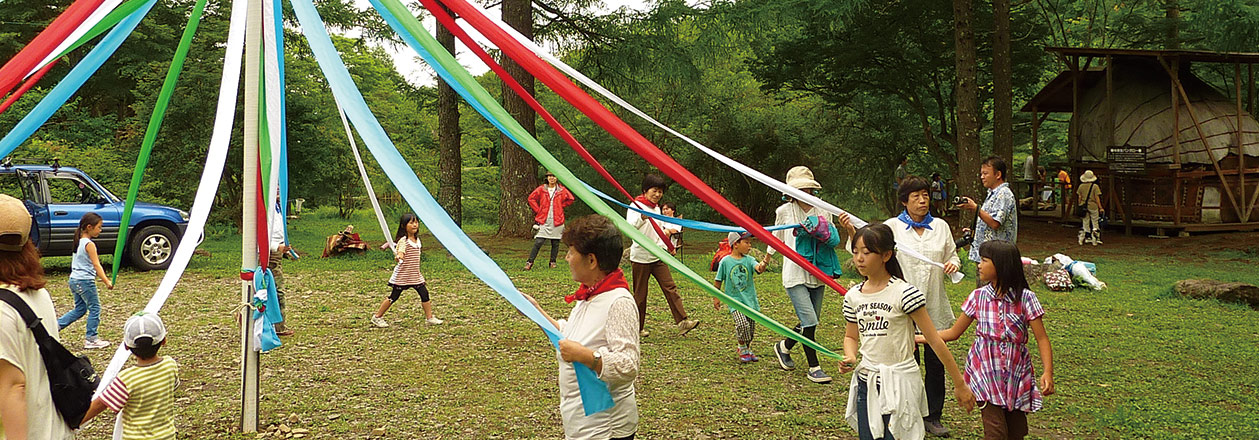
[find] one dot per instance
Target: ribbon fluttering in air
(626, 134)
(27, 60)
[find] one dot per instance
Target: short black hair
(594, 234)
(145, 349)
(912, 185)
(653, 181)
(670, 205)
(935, 176)
(997, 164)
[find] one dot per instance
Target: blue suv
(58, 197)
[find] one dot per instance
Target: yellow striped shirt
(146, 397)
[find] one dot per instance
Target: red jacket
(540, 200)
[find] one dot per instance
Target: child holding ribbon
(886, 398)
(406, 274)
(998, 366)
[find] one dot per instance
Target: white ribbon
(744, 169)
(206, 190)
(95, 17)
(271, 71)
(362, 171)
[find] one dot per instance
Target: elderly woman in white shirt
(915, 228)
(601, 332)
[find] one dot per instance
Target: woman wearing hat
(26, 408)
(548, 202)
(804, 289)
(1089, 195)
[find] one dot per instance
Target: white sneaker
(379, 322)
(1080, 239)
(434, 321)
(643, 333)
(94, 344)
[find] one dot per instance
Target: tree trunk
(967, 96)
(450, 158)
(1003, 100)
(519, 169)
(1173, 23)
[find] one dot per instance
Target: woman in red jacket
(548, 202)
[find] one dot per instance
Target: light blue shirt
(1003, 208)
(81, 267)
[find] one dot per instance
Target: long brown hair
(22, 268)
(89, 219)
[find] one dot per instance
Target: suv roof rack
(54, 162)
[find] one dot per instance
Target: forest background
(845, 87)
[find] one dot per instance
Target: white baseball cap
(143, 325)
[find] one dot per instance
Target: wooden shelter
(1170, 150)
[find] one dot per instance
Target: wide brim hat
(802, 178)
(15, 224)
(1088, 176)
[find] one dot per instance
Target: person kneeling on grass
(734, 276)
(601, 332)
(145, 393)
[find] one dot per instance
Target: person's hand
(846, 365)
(760, 267)
(572, 351)
(968, 204)
(920, 339)
(716, 304)
(846, 223)
(109, 284)
(950, 268)
(965, 398)
(1046, 384)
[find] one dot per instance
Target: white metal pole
(249, 216)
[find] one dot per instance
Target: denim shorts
(807, 302)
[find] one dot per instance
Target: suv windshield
(67, 188)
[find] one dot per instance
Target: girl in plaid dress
(999, 368)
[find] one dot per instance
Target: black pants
(809, 354)
(421, 289)
(934, 382)
(537, 245)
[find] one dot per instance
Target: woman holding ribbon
(917, 230)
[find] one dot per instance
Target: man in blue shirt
(998, 218)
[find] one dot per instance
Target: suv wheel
(152, 248)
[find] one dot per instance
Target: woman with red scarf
(548, 202)
(599, 332)
(645, 265)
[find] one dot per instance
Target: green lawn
(1134, 361)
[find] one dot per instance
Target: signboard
(1126, 160)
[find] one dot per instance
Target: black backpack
(71, 378)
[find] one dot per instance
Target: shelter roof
(1055, 97)
(1184, 55)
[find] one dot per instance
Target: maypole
(249, 218)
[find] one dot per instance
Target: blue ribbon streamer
(73, 81)
(284, 141)
(430, 212)
(270, 314)
(686, 223)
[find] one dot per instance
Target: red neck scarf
(643, 200)
(614, 280)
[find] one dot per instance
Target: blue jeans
(807, 302)
(863, 421)
(86, 301)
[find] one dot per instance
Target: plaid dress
(998, 368)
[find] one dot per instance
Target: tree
(967, 97)
(1002, 89)
(519, 169)
(450, 159)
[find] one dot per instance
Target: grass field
(1133, 361)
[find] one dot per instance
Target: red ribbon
(615, 126)
(614, 280)
(43, 44)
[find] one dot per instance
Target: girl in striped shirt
(999, 368)
(406, 274)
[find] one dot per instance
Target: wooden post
(1215, 164)
(1073, 135)
(249, 217)
(1035, 159)
(1243, 213)
(1174, 73)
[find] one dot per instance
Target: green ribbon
(498, 116)
(155, 122)
(111, 19)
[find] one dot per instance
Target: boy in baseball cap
(145, 393)
(734, 277)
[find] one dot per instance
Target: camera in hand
(957, 200)
(966, 240)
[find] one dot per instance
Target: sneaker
(528, 265)
(95, 343)
(643, 333)
(753, 356)
(686, 326)
(379, 322)
(784, 358)
(434, 321)
(1080, 239)
(818, 376)
(553, 265)
(934, 427)
(745, 357)
(285, 332)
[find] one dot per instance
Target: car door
(70, 197)
(24, 185)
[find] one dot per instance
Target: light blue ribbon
(270, 314)
(284, 135)
(72, 82)
(429, 211)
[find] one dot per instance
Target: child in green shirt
(734, 277)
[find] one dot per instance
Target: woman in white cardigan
(915, 228)
(601, 332)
